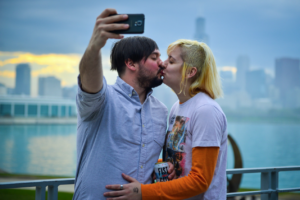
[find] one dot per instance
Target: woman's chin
(165, 82)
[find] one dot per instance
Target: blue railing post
(274, 185)
(40, 192)
(264, 184)
(269, 181)
(52, 192)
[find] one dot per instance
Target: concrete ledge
(28, 120)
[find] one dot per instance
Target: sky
(52, 35)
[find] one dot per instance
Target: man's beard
(144, 79)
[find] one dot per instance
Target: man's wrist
(93, 49)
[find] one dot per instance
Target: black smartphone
(136, 24)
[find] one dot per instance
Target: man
(121, 128)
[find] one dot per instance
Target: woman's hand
(171, 172)
(130, 191)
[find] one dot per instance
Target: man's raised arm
(90, 67)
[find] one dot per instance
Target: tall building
(242, 65)
(49, 86)
(70, 92)
(23, 78)
(227, 79)
(3, 90)
(256, 85)
(200, 35)
(287, 79)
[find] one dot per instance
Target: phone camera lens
(138, 23)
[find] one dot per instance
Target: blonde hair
(198, 54)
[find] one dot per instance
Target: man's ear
(130, 64)
(192, 72)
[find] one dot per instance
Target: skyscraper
(287, 79)
(242, 65)
(50, 87)
(23, 78)
(200, 35)
(3, 90)
(256, 85)
(228, 85)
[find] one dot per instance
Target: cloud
(8, 74)
(3, 53)
(54, 69)
(229, 68)
(62, 66)
(48, 63)
(70, 60)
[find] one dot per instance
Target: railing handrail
(262, 169)
(35, 183)
(269, 183)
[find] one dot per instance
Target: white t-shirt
(199, 122)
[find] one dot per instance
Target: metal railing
(40, 191)
(269, 184)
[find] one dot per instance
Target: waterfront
(51, 149)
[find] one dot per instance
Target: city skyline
(44, 32)
(244, 38)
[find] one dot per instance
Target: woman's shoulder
(203, 102)
(202, 98)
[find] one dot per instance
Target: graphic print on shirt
(175, 145)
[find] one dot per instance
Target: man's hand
(131, 191)
(104, 24)
(171, 171)
(90, 67)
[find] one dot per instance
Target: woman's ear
(192, 72)
(130, 65)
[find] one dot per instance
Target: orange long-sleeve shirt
(204, 161)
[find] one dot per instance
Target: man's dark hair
(135, 48)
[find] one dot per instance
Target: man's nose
(165, 63)
(162, 64)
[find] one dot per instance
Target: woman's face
(172, 73)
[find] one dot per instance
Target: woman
(196, 141)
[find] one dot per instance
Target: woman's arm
(204, 161)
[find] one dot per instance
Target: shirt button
(133, 92)
(143, 145)
(141, 166)
(129, 95)
(143, 126)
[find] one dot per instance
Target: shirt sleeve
(207, 127)
(204, 161)
(88, 104)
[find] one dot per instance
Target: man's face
(150, 71)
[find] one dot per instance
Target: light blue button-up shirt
(116, 134)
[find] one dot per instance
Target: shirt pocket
(159, 132)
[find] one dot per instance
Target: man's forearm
(90, 69)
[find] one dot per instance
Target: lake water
(51, 150)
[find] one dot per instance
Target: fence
(269, 184)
